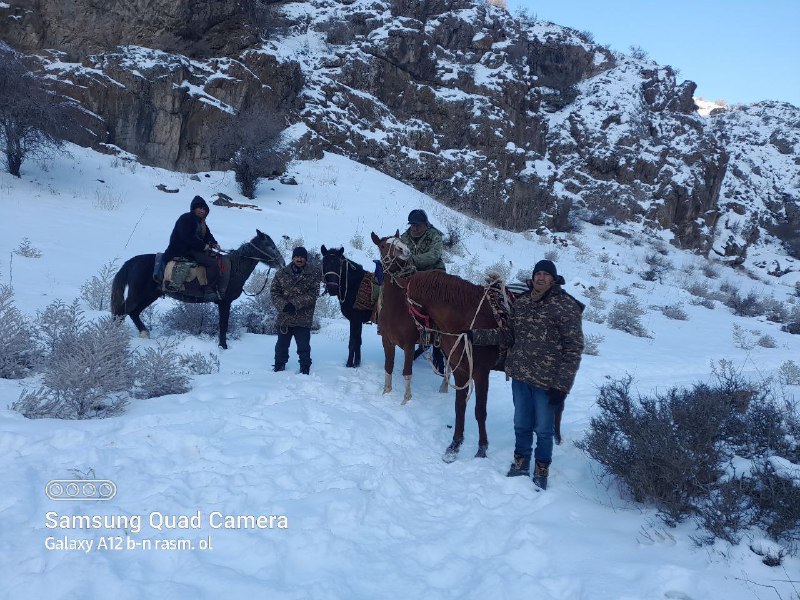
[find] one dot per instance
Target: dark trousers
(302, 337)
(210, 263)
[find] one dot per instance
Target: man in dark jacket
(545, 339)
(294, 292)
(191, 238)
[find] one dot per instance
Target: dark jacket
(187, 235)
(545, 339)
(426, 251)
(302, 290)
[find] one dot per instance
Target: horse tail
(118, 291)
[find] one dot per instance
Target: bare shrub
(675, 311)
(501, 268)
(673, 449)
(657, 266)
(17, 346)
(743, 339)
(257, 313)
(107, 200)
(626, 316)
(591, 344)
(96, 292)
(789, 373)
(767, 341)
(594, 315)
(705, 302)
(748, 305)
(27, 249)
(793, 321)
(88, 374)
(57, 320)
(710, 270)
(357, 241)
(200, 364)
(552, 255)
(159, 371)
(193, 319)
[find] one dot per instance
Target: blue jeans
(533, 413)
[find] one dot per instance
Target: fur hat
(301, 252)
(417, 217)
(547, 266)
(198, 202)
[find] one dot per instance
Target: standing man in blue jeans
(294, 292)
(545, 340)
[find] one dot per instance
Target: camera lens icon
(80, 489)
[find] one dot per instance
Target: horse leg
(557, 432)
(135, 312)
(351, 346)
(388, 364)
(407, 366)
(451, 453)
(357, 345)
(481, 383)
(224, 316)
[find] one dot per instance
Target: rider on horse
(191, 238)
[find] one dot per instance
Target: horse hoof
(349, 365)
(481, 453)
(450, 456)
(387, 390)
(144, 334)
(224, 346)
(405, 400)
(557, 440)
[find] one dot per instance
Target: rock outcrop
(522, 123)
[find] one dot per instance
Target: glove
(289, 308)
(468, 334)
(556, 397)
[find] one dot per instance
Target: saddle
(368, 291)
(186, 277)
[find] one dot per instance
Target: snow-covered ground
(368, 509)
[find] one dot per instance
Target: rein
(342, 275)
(263, 258)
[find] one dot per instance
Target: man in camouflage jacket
(424, 241)
(294, 292)
(545, 337)
(426, 245)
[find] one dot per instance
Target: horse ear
(323, 249)
(259, 233)
(397, 233)
(340, 251)
(376, 239)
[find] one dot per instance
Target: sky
(739, 51)
(371, 509)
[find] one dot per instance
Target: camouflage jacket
(545, 340)
(301, 290)
(426, 251)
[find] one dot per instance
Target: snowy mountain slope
(371, 509)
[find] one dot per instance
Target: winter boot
(305, 370)
(520, 466)
(278, 367)
(540, 472)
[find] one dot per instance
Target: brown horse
(455, 305)
(395, 324)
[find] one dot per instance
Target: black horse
(137, 275)
(342, 279)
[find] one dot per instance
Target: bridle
(344, 265)
(395, 256)
(265, 257)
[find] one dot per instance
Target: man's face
(542, 278)
(200, 212)
(417, 229)
(299, 262)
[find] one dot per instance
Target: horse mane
(435, 288)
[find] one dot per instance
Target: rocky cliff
(521, 123)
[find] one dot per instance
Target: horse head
(395, 255)
(332, 261)
(266, 251)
